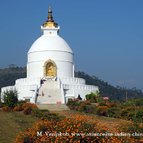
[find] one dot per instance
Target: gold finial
(50, 21)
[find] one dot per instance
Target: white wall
(63, 60)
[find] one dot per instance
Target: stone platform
(53, 107)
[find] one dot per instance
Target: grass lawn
(11, 123)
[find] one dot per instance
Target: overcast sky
(105, 35)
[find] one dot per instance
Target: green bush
(10, 98)
(139, 115)
(128, 103)
(89, 109)
(73, 104)
(127, 112)
(124, 113)
(114, 112)
(45, 114)
(139, 102)
(51, 117)
(37, 113)
(92, 97)
(86, 107)
(102, 104)
(130, 115)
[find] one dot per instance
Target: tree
(10, 98)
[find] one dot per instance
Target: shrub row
(31, 109)
(82, 106)
(108, 109)
(25, 107)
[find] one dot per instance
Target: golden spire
(50, 21)
(50, 17)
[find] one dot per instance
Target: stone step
(50, 84)
(53, 107)
(49, 96)
(49, 92)
(48, 100)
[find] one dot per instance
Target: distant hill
(9, 75)
(115, 93)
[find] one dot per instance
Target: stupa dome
(50, 47)
(49, 42)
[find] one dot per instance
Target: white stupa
(50, 70)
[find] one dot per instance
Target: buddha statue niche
(50, 70)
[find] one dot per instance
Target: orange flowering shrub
(24, 105)
(102, 110)
(27, 110)
(70, 130)
(18, 108)
(28, 107)
(6, 109)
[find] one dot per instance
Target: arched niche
(50, 69)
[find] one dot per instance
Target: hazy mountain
(115, 93)
(9, 75)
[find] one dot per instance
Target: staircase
(50, 93)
